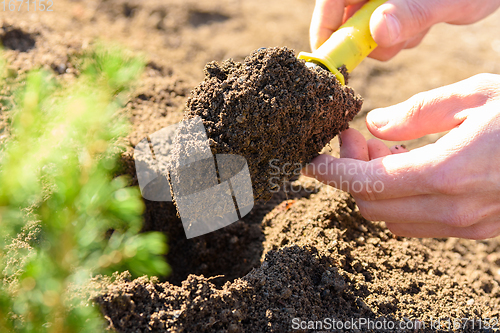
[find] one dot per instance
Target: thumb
(434, 111)
(399, 20)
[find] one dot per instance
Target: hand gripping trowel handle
(349, 45)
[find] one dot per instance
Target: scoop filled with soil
(273, 110)
(277, 111)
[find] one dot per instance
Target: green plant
(56, 185)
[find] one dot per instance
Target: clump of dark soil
(273, 110)
(16, 39)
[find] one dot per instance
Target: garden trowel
(347, 46)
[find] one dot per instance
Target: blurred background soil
(306, 253)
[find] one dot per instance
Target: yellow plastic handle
(349, 45)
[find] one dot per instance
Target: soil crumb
(273, 110)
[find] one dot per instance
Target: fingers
(356, 147)
(377, 148)
(413, 42)
(327, 17)
(353, 145)
(387, 53)
(456, 211)
(487, 229)
(397, 24)
(397, 21)
(409, 210)
(388, 177)
(351, 8)
(398, 149)
(430, 112)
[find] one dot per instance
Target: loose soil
(322, 260)
(274, 111)
(306, 253)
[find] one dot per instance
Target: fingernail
(377, 119)
(393, 28)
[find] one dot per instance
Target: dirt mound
(265, 299)
(230, 252)
(334, 265)
(274, 111)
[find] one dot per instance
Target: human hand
(397, 24)
(447, 189)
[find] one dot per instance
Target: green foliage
(56, 172)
